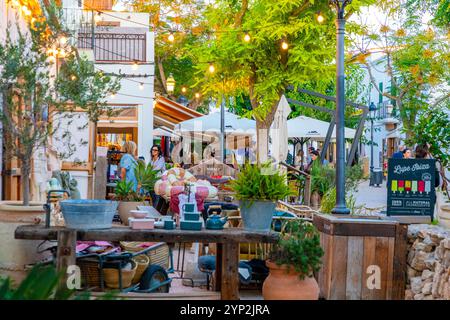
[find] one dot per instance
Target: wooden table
(227, 257)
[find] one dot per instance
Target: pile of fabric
(175, 181)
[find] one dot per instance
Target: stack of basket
(158, 254)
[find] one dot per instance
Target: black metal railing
(114, 47)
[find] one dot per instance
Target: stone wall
(428, 270)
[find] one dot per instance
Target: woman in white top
(159, 164)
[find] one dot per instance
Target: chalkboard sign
(410, 187)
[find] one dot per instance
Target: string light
(246, 37)
(183, 89)
(62, 40)
(320, 17)
(284, 45)
(73, 77)
(211, 68)
(135, 65)
(112, 96)
(141, 86)
(171, 37)
(62, 53)
(197, 95)
(98, 17)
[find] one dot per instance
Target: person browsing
(128, 163)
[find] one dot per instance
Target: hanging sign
(410, 187)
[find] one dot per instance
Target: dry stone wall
(428, 269)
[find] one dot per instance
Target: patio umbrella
(279, 131)
(306, 127)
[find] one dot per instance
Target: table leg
(230, 275)
(65, 254)
(219, 255)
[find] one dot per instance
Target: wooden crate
(353, 246)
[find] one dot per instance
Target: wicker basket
(158, 254)
(90, 272)
(112, 276)
(142, 262)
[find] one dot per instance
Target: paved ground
(371, 198)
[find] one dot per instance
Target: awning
(306, 127)
(168, 113)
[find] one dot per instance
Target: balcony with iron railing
(110, 44)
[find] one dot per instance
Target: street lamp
(340, 207)
(170, 84)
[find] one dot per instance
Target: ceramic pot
(315, 200)
(282, 284)
(15, 254)
(125, 207)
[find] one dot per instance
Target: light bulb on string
(183, 89)
(73, 77)
(61, 53)
(211, 68)
(97, 17)
(141, 86)
(62, 40)
(197, 95)
(284, 45)
(171, 37)
(247, 37)
(135, 65)
(320, 17)
(113, 95)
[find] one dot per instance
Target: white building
(118, 43)
(387, 133)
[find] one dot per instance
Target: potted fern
(258, 187)
(130, 199)
(292, 262)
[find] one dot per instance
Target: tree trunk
(26, 170)
(262, 138)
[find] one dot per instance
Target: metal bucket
(257, 215)
(88, 214)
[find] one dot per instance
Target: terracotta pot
(16, 254)
(282, 284)
(125, 207)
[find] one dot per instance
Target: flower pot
(285, 284)
(257, 215)
(125, 207)
(15, 254)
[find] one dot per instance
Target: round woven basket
(142, 262)
(112, 276)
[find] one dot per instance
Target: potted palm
(130, 199)
(258, 187)
(292, 262)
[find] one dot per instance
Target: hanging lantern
(170, 84)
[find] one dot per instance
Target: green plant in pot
(258, 187)
(292, 262)
(129, 199)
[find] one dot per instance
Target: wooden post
(230, 276)
(65, 254)
(100, 178)
(219, 255)
(307, 191)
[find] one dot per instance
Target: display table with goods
(227, 240)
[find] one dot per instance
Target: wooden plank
(122, 233)
(339, 268)
(368, 260)
(355, 255)
(65, 254)
(325, 271)
(381, 260)
(219, 257)
(399, 265)
(100, 179)
(319, 274)
(193, 295)
(390, 268)
(230, 275)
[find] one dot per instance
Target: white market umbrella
(279, 131)
(306, 127)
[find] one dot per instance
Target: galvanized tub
(257, 215)
(88, 214)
